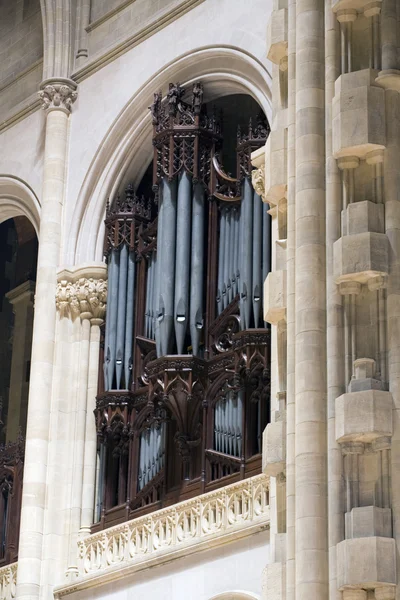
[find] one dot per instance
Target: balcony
(210, 520)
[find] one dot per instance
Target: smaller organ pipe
(147, 304)
(158, 309)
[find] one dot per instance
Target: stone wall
(21, 37)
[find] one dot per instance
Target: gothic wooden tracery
(184, 388)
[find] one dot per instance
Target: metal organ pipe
(235, 251)
(227, 280)
(246, 254)
(220, 306)
(182, 264)
(158, 309)
(111, 321)
(167, 266)
(197, 268)
(121, 315)
(130, 304)
(257, 257)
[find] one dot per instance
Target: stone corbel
(82, 292)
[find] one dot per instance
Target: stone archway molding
(18, 199)
(127, 144)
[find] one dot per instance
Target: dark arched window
(184, 395)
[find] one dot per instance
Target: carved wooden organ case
(184, 385)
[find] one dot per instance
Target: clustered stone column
(81, 295)
(57, 97)
(342, 110)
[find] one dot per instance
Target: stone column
(81, 294)
(335, 374)
(310, 370)
(390, 80)
(57, 97)
(21, 298)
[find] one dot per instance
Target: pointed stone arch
(127, 145)
(18, 199)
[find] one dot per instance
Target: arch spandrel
(127, 146)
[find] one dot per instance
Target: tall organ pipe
(246, 255)
(150, 275)
(121, 316)
(232, 255)
(147, 303)
(227, 258)
(111, 321)
(167, 266)
(157, 288)
(182, 265)
(235, 251)
(197, 268)
(130, 303)
(220, 306)
(257, 257)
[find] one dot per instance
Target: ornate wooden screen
(184, 391)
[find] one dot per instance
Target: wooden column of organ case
(184, 387)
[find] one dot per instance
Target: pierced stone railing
(8, 581)
(235, 510)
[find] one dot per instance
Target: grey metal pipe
(112, 320)
(266, 243)
(257, 258)
(121, 316)
(232, 277)
(221, 251)
(227, 258)
(239, 421)
(237, 248)
(182, 264)
(129, 322)
(167, 267)
(235, 251)
(158, 308)
(197, 268)
(246, 269)
(147, 302)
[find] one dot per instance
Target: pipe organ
(184, 392)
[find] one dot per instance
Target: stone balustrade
(206, 520)
(8, 581)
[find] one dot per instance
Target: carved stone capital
(85, 298)
(58, 94)
(82, 292)
(258, 181)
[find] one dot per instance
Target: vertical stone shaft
(391, 168)
(310, 379)
(37, 436)
(79, 425)
(389, 36)
(89, 463)
(335, 362)
(291, 308)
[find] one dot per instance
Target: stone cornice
(58, 94)
(82, 292)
